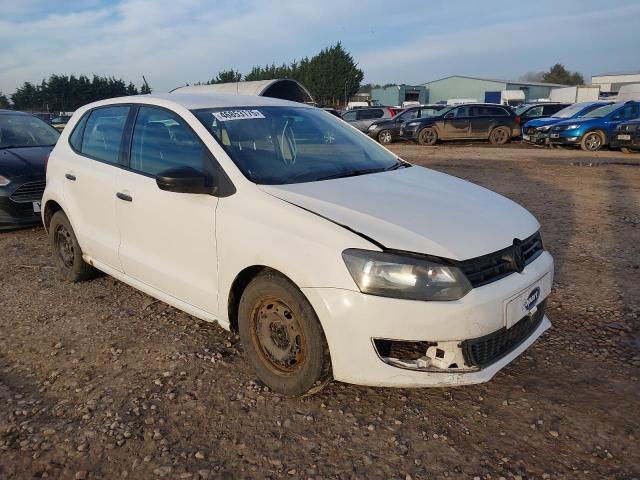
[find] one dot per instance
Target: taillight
(392, 112)
(517, 119)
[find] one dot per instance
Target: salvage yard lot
(98, 380)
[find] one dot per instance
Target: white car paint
(187, 249)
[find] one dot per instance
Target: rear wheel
(67, 254)
(385, 137)
(427, 136)
(592, 141)
(282, 336)
(499, 135)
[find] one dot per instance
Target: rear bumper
(633, 143)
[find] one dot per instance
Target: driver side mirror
(183, 180)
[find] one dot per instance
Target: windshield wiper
(352, 173)
(399, 164)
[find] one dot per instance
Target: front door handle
(71, 177)
(124, 196)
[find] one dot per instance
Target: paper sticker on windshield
(237, 115)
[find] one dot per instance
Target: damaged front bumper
(451, 338)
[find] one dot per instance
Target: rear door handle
(124, 196)
(68, 176)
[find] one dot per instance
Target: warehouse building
(398, 94)
(610, 83)
(483, 89)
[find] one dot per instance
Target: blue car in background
(595, 129)
(537, 131)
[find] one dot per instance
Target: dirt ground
(98, 380)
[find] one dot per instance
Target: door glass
(103, 133)
(535, 111)
(463, 112)
(162, 140)
(350, 116)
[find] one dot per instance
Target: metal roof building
(610, 83)
(284, 88)
(483, 89)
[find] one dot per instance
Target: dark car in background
(60, 122)
(627, 137)
(537, 131)
(595, 129)
(470, 121)
(25, 144)
(532, 111)
(387, 131)
(362, 118)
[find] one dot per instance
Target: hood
(25, 161)
(541, 122)
(416, 209)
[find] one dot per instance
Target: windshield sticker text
(237, 115)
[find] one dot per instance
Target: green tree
(559, 74)
(4, 101)
(145, 89)
(226, 76)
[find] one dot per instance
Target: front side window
(603, 111)
(462, 112)
(350, 116)
(283, 145)
(103, 133)
(535, 111)
(163, 140)
(26, 131)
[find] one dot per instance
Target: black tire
(282, 336)
(499, 135)
(592, 141)
(67, 254)
(385, 137)
(427, 136)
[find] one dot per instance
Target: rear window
(103, 133)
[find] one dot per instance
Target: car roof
(12, 112)
(195, 101)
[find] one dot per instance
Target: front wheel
(499, 135)
(592, 141)
(282, 336)
(427, 136)
(385, 137)
(67, 254)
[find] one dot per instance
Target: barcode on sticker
(237, 115)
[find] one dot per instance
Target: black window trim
(226, 187)
(87, 114)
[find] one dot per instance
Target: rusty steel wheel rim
(277, 336)
(64, 246)
(500, 135)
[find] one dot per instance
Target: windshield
(283, 145)
(603, 111)
(570, 111)
(522, 108)
(25, 131)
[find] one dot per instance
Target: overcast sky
(178, 41)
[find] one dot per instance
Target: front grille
(494, 266)
(482, 351)
(29, 192)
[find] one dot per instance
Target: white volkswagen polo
(330, 256)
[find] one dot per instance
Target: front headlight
(545, 128)
(572, 126)
(373, 126)
(404, 276)
(4, 181)
(413, 124)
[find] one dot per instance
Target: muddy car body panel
(480, 272)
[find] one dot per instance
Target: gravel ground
(98, 380)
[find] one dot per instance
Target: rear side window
(163, 140)
(103, 133)
(75, 139)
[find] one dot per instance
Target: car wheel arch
(238, 286)
(50, 208)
